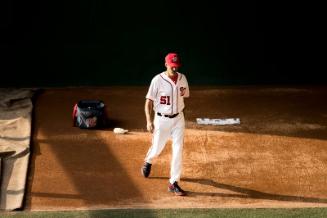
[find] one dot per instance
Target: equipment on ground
(89, 114)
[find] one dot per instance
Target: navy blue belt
(170, 116)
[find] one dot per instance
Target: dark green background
(99, 43)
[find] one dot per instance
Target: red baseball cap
(173, 60)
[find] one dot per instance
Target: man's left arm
(187, 90)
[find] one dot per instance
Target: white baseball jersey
(167, 96)
(168, 99)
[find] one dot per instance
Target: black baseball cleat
(176, 189)
(146, 169)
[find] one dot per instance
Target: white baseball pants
(164, 128)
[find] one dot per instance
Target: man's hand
(148, 114)
(149, 126)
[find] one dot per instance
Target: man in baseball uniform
(165, 98)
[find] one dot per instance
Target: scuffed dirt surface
(276, 157)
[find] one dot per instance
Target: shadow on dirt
(243, 192)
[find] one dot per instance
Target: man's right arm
(148, 114)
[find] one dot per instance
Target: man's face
(172, 69)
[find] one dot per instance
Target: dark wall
(124, 42)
